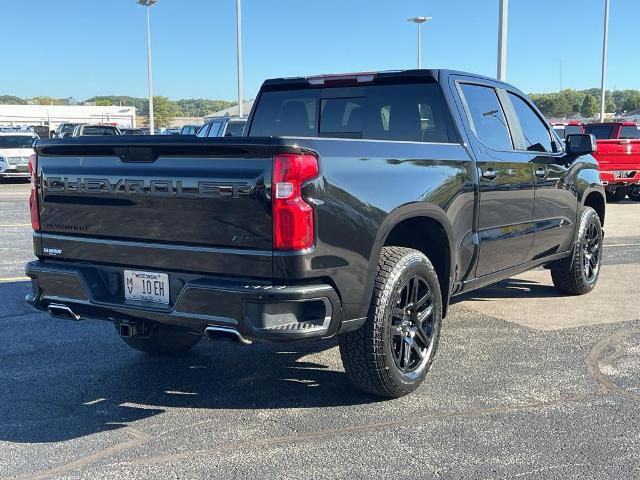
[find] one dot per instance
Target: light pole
(239, 55)
(149, 4)
(503, 25)
(419, 21)
(604, 60)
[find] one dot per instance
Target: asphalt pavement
(527, 383)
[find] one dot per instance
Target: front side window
(535, 135)
(486, 116)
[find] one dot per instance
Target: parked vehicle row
(355, 205)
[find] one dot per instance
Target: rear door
(555, 206)
(505, 214)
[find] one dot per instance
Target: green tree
(104, 102)
(631, 103)
(164, 111)
(11, 100)
(47, 101)
(589, 106)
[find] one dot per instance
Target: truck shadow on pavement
(511, 288)
(63, 380)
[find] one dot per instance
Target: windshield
(16, 141)
(67, 127)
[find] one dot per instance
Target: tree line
(187, 107)
(586, 103)
(566, 103)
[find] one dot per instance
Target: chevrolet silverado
(355, 205)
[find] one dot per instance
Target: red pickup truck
(619, 158)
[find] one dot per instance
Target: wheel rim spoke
(591, 251)
(411, 324)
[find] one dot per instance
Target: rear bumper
(613, 178)
(257, 310)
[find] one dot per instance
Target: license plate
(146, 286)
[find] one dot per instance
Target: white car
(15, 150)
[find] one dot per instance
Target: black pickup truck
(355, 205)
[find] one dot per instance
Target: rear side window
(486, 116)
(630, 132)
(406, 112)
(535, 135)
(601, 132)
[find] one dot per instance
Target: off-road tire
(368, 353)
(163, 342)
(577, 281)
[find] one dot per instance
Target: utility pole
(239, 55)
(149, 4)
(503, 26)
(603, 102)
(419, 21)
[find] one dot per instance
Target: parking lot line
(13, 279)
(8, 225)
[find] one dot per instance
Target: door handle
(489, 174)
(541, 172)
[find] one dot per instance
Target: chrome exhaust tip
(62, 311)
(225, 333)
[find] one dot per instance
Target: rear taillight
(33, 197)
(293, 224)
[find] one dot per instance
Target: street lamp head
(147, 3)
(419, 19)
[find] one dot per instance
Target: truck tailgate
(162, 192)
(618, 154)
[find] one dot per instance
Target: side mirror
(580, 144)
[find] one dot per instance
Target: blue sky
(84, 48)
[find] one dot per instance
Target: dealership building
(54, 115)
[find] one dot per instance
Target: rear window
(630, 132)
(573, 130)
(601, 132)
(406, 112)
(99, 131)
(16, 141)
